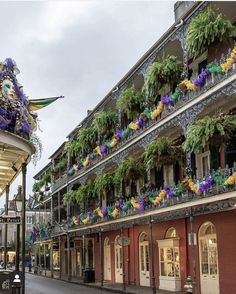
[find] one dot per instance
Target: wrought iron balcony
(212, 81)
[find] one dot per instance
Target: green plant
(131, 103)
(73, 147)
(104, 182)
(36, 187)
(214, 130)
(87, 139)
(161, 73)
(161, 152)
(206, 29)
(128, 168)
(61, 165)
(105, 122)
(82, 195)
(46, 179)
(70, 197)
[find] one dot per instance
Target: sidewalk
(107, 286)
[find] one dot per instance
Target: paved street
(41, 285)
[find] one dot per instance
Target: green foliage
(46, 179)
(206, 29)
(214, 130)
(82, 195)
(36, 187)
(105, 122)
(104, 182)
(160, 152)
(73, 147)
(128, 168)
(34, 139)
(87, 140)
(61, 165)
(131, 103)
(161, 73)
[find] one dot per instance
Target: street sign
(123, 241)
(10, 219)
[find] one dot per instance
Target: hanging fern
(105, 122)
(161, 73)
(206, 29)
(61, 165)
(128, 168)
(87, 140)
(161, 152)
(70, 197)
(82, 195)
(73, 147)
(45, 180)
(36, 187)
(34, 139)
(131, 103)
(214, 130)
(103, 183)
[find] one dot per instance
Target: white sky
(79, 49)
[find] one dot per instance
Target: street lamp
(18, 199)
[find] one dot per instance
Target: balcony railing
(217, 183)
(211, 81)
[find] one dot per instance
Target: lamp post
(18, 209)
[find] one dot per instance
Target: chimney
(181, 7)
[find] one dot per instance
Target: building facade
(152, 200)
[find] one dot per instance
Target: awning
(14, 151)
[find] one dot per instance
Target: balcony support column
(152, 256)
(101, 257)
(6, 227)
(123, 257)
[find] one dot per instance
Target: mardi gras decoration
(231, 180)
(15, 115)
(147, 114)
(139, 204)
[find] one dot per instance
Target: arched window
(207, 229)
(143, 237)
(171, 233)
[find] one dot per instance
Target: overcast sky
(79, 49)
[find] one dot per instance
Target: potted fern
(131, 103)
(213, 130)
(87, 139)
(103, 183)
(160, 74)
(207, 29)
(129, 168)
(161, 152)
(105, 123)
